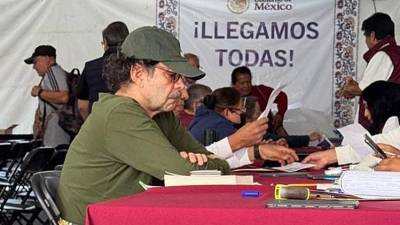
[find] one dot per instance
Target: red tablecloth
(209, 205)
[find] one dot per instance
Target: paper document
(371, 184)
(146, 186)
(329, 187)
(353, 135)
(293, 167)
(271, 99)
(253, 170)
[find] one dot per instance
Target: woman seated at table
(382, 104)
(253, 111)
(219, 112)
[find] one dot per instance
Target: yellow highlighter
(292, 192)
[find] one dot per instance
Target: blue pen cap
(250, 193)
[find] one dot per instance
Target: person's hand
(269, 141)
(278, 153)
(389, 148)
(351, 89)
(250, 134)
(277, 121)
(282, 142)
(315, 136)
(389, 164)
(321, 159)
(198, 158)
(35, 91)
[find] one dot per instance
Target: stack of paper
(371, 184)
(179, 180)
(205, 172)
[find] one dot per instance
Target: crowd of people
(146, 114)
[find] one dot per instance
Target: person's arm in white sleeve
(347, 155)
(223, 150)
(390, 138)
(239, 158)
(380, 67)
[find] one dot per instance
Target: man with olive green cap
(132, 135)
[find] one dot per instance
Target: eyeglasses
(173, 76)
(236, 110)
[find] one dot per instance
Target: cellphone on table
(375, 147)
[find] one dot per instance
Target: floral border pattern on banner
(344, 59)
(167, 16)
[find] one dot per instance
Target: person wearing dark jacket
(220, 112)
(92, 82)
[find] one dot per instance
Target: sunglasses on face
(174, 77)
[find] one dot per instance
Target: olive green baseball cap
(159, 45)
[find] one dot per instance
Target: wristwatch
(257, 152)
(39, 92)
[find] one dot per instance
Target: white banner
(73, 27)
(282, 40)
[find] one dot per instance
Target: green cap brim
(184, 68)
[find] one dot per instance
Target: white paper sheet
(353, 135)
(293, 167)
(271, 99)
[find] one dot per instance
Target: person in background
(192, 60)
(132, 136)
(196, 94)
(241, 80)
(221, 110)
(382, 108)
(247, 136)
(383, 58)
(253, 111)
(52, 92)
(91, 82)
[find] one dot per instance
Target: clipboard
(379, 152)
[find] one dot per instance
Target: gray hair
(196, 94)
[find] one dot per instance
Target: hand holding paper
(271, 99)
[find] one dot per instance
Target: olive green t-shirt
(118, 146)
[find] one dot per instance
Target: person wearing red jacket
(241, 81)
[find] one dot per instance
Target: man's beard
(168, 105)
(175, 95)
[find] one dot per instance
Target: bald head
(192, 59)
